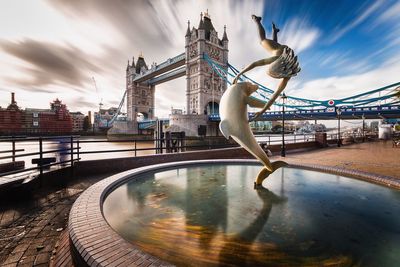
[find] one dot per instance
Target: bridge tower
(204, 87)
(140, 96)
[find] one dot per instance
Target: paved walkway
(30, 228)
(373, 157)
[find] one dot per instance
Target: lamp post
(363, 128)
(283, 150)
(339, 112)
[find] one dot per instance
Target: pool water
(210, 215)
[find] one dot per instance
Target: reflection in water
(211, 216)
(238, 249)
(203, 188)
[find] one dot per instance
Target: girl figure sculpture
(283, 62)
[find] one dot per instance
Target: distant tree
(86, 125)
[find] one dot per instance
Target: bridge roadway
(373, 112)
(168, 70)
(347, 113)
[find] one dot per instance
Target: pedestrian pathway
(30, 228)
(379, 158)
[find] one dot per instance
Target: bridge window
(143, 93)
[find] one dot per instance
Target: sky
(52, 49)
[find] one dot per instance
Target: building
(374, 126)
(204, 87)
(53, 121)
(32, 120)
(78, 120)
(12, 119)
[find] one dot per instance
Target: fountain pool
(208, 214)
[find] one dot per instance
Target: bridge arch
(212, 108)
(142, 116)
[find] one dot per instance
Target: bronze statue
(284, 64)
(234, 101)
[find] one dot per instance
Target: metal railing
(42, 162)
(66, 150)
(289, 138)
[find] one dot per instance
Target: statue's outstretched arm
(257, 63)
(281, 87)
(255, 103)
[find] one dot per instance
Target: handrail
(19, 138)
(75, 147)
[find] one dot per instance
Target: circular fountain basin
(208, 213)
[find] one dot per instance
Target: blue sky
(354, 36)
(51, 49)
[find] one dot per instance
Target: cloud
(299, 35)
(105, 34)
(49, 63)
(339, 87)
(391, 13)
(339, 32)
(157, 28)
(136, 22)
(84, 103)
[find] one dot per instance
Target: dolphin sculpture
(235, 123)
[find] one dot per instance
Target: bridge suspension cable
(104, 123)
(370, 98)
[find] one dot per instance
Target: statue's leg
(257, 63)
(275, 31)
(268, 44)
(260, 27)
(278, 91)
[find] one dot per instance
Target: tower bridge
(204, 88)
(208, 72)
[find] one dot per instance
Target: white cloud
(363, 16)
(110, 32)
(391, 13)
(339, 87)
(299, 35)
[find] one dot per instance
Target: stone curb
(365, 176)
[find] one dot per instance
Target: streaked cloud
(299, 35)
(391, 13)
(343, 86)
(343, 29)
(52, 48)
(49, 64)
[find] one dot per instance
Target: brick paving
(32, 230)
(31, 227)
(379, 158)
